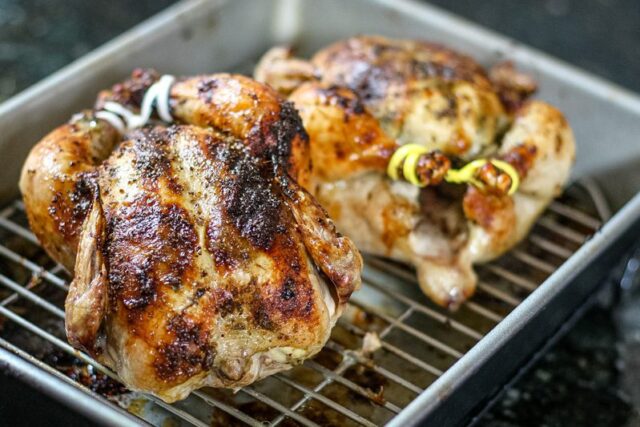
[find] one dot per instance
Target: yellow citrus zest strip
(511, 171)
(409, 168)
(466, 174)
(408, 156)
(400, 155)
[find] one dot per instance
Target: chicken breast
(362, 98)
(200, 260)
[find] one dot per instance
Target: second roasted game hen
(376, 107)
(198, 259)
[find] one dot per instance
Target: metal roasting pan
(204, 36)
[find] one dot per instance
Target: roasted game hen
(363, 98)
(199, 260)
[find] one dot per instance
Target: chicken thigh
(199, 260)
(363, 98)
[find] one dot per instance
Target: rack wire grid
(342, 385)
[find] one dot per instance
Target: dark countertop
(590, 376)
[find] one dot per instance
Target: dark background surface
(588, 377)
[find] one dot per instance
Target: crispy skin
(199, 255)
(417, 91)
(347, 139)
(58, 184)
(362, 98)
(244, 108)
(223, 247)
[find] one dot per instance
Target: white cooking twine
(124, 120)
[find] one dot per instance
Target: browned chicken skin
(200, 260)
(362, 98)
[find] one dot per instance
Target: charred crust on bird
(188, 353)
(149, 246)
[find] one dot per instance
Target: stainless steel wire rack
(343, 385)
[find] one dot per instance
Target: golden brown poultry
(361, 99)
(199, 260)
